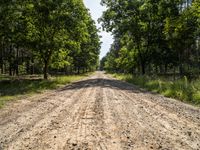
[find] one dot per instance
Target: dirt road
(99, 113)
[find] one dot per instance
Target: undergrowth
(180, 89)
(11, 89)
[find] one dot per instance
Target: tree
(48, 33)
(153, 35)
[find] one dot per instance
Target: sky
(96, 11)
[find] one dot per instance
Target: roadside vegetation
(181, 89)
(156, 45)
(16, 88)
(52, 40)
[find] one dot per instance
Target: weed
(180, 89)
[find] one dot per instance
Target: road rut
(99, 113)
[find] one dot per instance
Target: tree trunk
(28, 66)
(32, 66)
(143, 68)
(17, 70)
(66, 70)
(71, 69)
(180, 69)
(78, 70)
(142, 61)
(45, 70)
(174, 72)
(2, 67)
(10, 60)
(17, 62)
(166, 69)
(10, 69)
(2, 57)
(161, 69)
(180, 64)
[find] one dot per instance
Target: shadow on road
(101, 82)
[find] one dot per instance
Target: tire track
(160, 120)
(40, 123)
(87, 130)
(17, 126)
(100, 113)
(179, 128)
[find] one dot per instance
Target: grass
(181, 89)
(4, 77)
(15, 88)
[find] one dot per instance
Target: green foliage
(152, 37)
(11, 89)
(54, 34)
(180, 89)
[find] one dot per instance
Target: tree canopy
(152, 36)
(52, 35)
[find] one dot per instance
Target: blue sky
(96, 11)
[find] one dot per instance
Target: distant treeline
(153, 36)
(47, 37)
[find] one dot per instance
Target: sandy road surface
(99, 113)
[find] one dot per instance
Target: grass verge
(12, 89)
(180, 89)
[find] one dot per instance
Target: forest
(47, 37)
(155, 39)
(153, 36)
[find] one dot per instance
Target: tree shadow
(23, 86)
(27, 86)
(104, 83)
